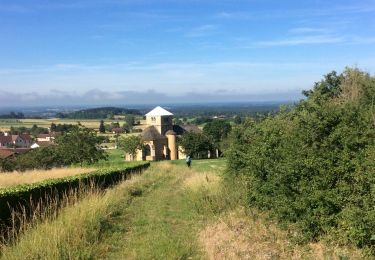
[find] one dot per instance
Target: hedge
(21, 196)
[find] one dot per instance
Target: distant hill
(12, 115)
(98, 113)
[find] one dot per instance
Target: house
(159, 137)
(47, 137)
(4, 153)
(9, 152)
(41, 144)
(22, 140)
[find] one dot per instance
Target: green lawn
(204, 165)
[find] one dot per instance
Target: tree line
(98, 113)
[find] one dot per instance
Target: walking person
(188, 161)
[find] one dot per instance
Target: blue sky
(125, 51)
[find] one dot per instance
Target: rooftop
(159, 111)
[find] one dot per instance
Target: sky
(89, 52)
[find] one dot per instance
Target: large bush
(314, 164)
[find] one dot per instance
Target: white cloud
(303, 40)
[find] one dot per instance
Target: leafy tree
(101, 127)
(129, 120)
(238, 120)
(130, 145)
(196, 144)
(53, 127)
(80, 145)
(217, 131)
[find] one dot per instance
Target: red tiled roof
(16, 150)
(25, 137)
(4, 153)
(5, 139)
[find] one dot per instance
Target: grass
(32, 176)
(216, 165)
(169, 212)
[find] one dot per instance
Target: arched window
(147, 150)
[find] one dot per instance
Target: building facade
(159, 137)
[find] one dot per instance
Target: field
(32, 176)
(5, 124)
(115, 157)
(169, 212)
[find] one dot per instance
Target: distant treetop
(98, 113)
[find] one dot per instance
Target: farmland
(5, 124)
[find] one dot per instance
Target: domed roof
(170, 132)
(151, 134)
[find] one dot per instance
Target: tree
(53, 127)
(130, 145)
(238, 120)
(101, 127)
(217, 131)
(80, 145)
(129, 120)
(196, 144)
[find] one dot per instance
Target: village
(157, 131)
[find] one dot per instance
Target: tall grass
(72, 227)
(32, 176)
(73, 232)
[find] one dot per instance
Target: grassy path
(163, 222)
(168, 212)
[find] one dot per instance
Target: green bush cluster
(21, 197)
(78, 146)
(313, 164)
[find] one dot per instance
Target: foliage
(314, 164)
(238, 120)
(13, 115)
(14, 198)
(80, 145)
(196, 144)
(101, 127)
(62, 127)
(98, 113)
(34, 130)
(130, 144)
(130, 121)
(217, 131)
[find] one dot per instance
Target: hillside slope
(169, 212)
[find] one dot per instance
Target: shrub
(314, 164)
(23, 197)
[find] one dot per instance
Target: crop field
(32, 176)
(5, 124)
(8, 179)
